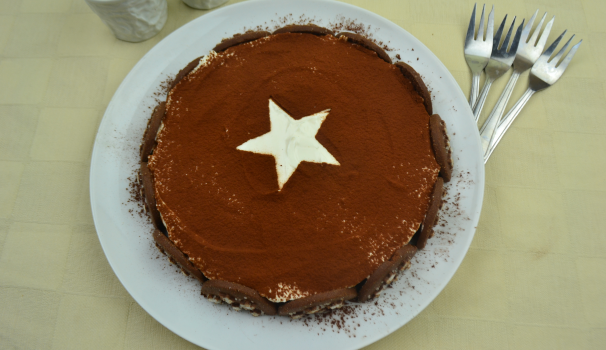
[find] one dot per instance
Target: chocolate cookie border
(175, 256)
(431, 218)
(417, 83)
(239, 39)
(441, 146)
(317, 303)
(185, 71)
(149, 136)
(365, 42)
(304, 28)
(241, 297)
(147, 182)
(385, 274)
(238, 297)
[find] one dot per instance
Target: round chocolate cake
(289, 172)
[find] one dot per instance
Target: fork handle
(490, 125)
(475, 87)
(482, 98)
(506, 122)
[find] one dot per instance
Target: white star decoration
(290, 142)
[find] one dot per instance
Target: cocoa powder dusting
(330, 226)
(135, 190)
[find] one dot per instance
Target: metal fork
(527, 54)
(544, 73)
(477, 51)
(500, 61)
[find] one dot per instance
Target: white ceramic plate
(173, 299)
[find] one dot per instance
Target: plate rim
(233, 7)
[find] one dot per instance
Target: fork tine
(556, 58)
(508, 36)
(545, 56)
(490, 27)
(545, 34)
(497, 38)
(481, 27)
(569, 57)
(528, 27)
(516, 38)
(472, 25)
(537, 30)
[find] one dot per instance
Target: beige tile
(359, 3)
(390, 9)
(418, 333)
(128, 50)
(10, 173)
(543, 289)
(577, 162)
(597, 338)
(534, 220)
(65, 134)
(85, 35)
(77, 82)
(144, 332)
(445, 333)
(524, 157)
(584, 63)
(486, 334)
(17, 132)
(586, 221)
(576, 105)
(85, 320)
(476, 290)
(35, 35)
(592, 281)
(569, 15)
(49, 192)
(444, 40)
(6, 24)
(594, 13)
(45, 6)
(87, 270)
(24, 81)
(442, 12)
(34, 256)
(598, 48)
(9, 6)
(516, 8)
(488, 233)
(538, 337)
(185, 14)
(4, 227)
(118, 69)
(79, 6)
(33, 314)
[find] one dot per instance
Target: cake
(292, 172)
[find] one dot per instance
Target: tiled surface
(533, 277)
